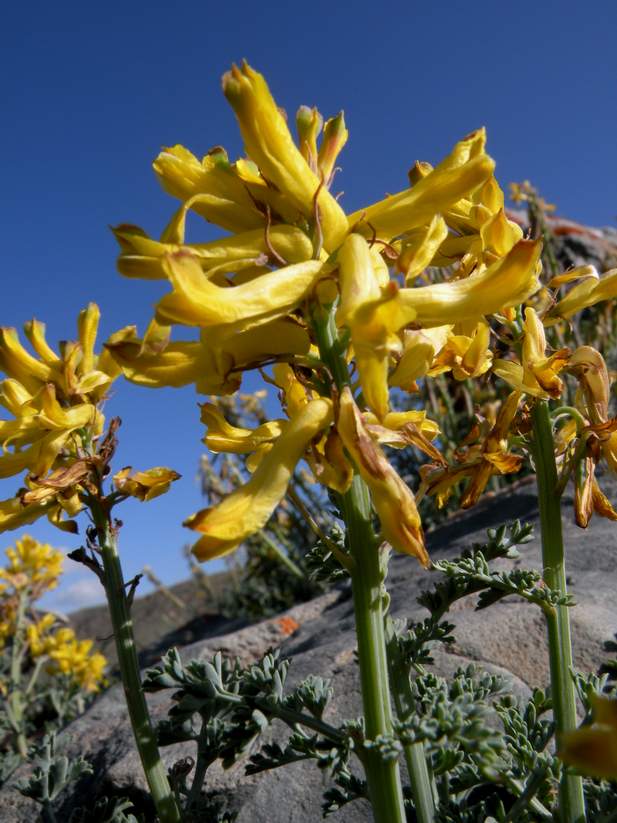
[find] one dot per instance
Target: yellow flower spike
(592, 749)
(145, 485)
(196, 301)
(466, 168)
(142, 257)
(420, 347)
(393, 500)
(270, 145)
(309, 123)
(360, 310)
(335, 135)
(505, 283)
(248, 509)
(223, 437)
(33, 564)
(420, 247)
(592, 290)
(215, 191)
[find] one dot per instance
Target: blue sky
(91, 91)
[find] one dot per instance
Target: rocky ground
(510, 642)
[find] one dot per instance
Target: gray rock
(508, 639)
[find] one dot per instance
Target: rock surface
(509, 638)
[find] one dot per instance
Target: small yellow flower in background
(589, 290)
(32, 565)
(66, 655)
(592, 749)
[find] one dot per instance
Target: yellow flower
(196, 301)
(248, 509)
(67, 655)
(507, 282)
(592, 749)
(145, 485)
(269, 144)
(361, 299)
(33, 565)
(538, 374)
(465, 355)
(215, 366)
(223, 437)
(393, 500)
(590, 290)
(140, 256)
(464, 170)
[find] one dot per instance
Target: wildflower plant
(341, 314)
(44, 668)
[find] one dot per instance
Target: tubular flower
(592, 749)
(248, 509)
(590, 289)
(393, 500)
(538, 374)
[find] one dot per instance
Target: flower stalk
(122, 624)
(572, 801)
(383, 775)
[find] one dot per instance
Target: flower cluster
(345, 308)
(54, 401)
(66, 655)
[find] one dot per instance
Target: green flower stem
(278, 552)
(422, 788)
(383, 776)
(572, 800)
(122, 624)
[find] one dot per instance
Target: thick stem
(383, 776)
(572, 800)
(122, 624)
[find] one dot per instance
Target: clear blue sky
(91, 91)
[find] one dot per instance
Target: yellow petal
(393, 500)
(269, 144)
(223, 437)
(215, 191)
(466, 168)
(592, 750)
(87, 326)
(248, 509)
(141, 256)
(507, 282)
(420, 347)
(195, 301)
(145, 485)
(420, 247)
